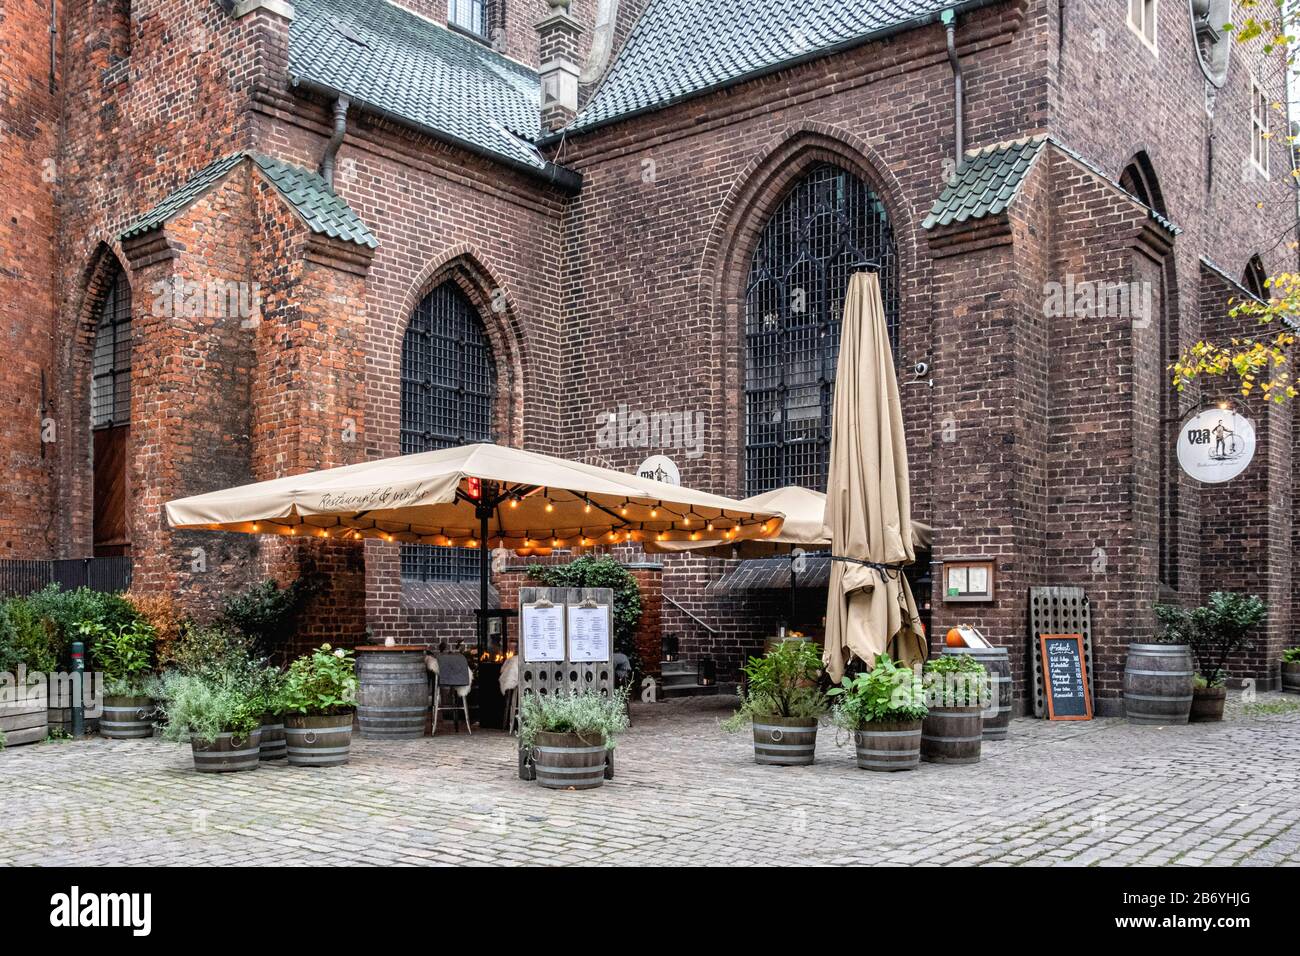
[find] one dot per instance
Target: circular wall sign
(660, 468)
(1216, 445)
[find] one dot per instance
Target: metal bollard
(78, 693)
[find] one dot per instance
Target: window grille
(448, 386)
(110, 388)
(830, 225)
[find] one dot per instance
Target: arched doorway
(110, 417)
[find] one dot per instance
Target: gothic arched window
(830, 225)
(448, 386)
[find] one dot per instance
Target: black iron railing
(20, 577)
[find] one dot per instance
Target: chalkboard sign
(1065, 677)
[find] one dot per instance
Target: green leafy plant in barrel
(956, 680)
(1215, 632)
(199, 708)
(887, 693)
(593, 717)
(781, 683)
(323, 682)
(125, 655)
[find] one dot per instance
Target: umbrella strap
(886, 571)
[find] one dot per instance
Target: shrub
(26, 639)
(590, 715)
(956, 680)
(1291, 655)
(160, 610)
(1215, 632)
(782, 683)
(887, 692)
(1223, 628)
(199, 708)
(70, 616)
(322, 682)
(202, 647)
(590, 571)
(266, 613)
(125, 656)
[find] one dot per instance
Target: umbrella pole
(483, 560)
(794, 590)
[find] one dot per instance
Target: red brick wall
(29, 128)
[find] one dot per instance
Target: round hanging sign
(1216, 445)
(660, 468)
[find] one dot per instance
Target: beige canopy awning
(436, 498)
(805, 528)
(870, 609)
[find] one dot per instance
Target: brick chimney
(559, 34)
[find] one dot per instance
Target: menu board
(1065, 677)
(588, 633)
(541, 627)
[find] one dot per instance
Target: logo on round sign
(1216, 445)
(660, 468)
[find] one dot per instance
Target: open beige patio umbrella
(870, 609)
(475, 496)
(804, 529)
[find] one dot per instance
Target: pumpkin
(954, 638)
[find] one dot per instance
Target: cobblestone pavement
(1064, 793)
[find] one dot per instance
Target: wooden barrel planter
(952, 734)
(273, 746)
(315, 740)
(1158, 682)
(126, 718)
(1291, 677)
(569, 761)
(997, 719)
(785, 741)
(889, 745)
(1207, 704)
(24, 722)
(393, 692)
(229, 753)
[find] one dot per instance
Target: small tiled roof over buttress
(322, 209)
(989, 180)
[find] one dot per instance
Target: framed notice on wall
(968, 580)
(1065, 677)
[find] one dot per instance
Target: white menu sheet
(542, 629)
(589, 633)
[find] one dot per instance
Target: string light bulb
(587, 508)
(550, 506)
(687, 521)
(514, 502)
(654, 512)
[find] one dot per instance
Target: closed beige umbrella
(870, 609)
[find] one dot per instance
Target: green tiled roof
(194, 188)
(320, 207)
(396, 62)
(986, 182)
(681, 48)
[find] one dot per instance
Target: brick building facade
(592, 184)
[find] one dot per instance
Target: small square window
(470, 15)
(1142, 20)
(1259, 126)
